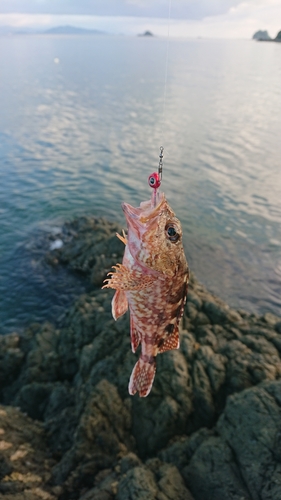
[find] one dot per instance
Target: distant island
(71, 30)
(263, 36)
(146, 33)
(58, 30)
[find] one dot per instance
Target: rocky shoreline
(209, 430)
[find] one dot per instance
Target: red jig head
(154, 180)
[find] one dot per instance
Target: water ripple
(82, 136)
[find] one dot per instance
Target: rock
(194, 299)
(188, 345)
(219, 313)
(171, 484)
(106, 484)
(209, 427)
(61, 430)
(271, 319)
(146, 33)
(179, 451)
(278, 327)
(129, 462)
(205, 336)
(240, 462)
(102, 434)
(11, 358)
(261, 35)
(96, 494)
(191, 311)
(213, 474)
(92, 248)
(138, 484)
(166, 412)
(33, 399)
(203, 402)
(202, 319)
(25, 464)
(250, 361)
(253, 417)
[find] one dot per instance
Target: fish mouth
(131, 212)
(139, 220)
(142, 217)
(143, 214)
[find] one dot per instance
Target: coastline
(66, 410)
(278, 40)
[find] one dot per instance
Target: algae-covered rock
(11, 358)
(90, 246)
(212, 473)
(242, 461)
(209, 429)
(139, 483)
(25, 463)
(250, 425)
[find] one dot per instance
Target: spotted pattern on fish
(152, 282)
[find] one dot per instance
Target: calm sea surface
(81, 135)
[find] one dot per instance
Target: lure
(152, 281)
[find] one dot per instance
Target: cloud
(181, 9)
(240, 21)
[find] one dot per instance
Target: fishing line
(165, 77)
(155, 179)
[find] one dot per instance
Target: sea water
(81, 122)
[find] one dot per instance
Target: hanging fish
(152, 282)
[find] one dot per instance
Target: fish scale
(152, 282)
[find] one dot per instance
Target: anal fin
(119, 304)
(171, 341)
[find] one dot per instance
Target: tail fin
(142, 376)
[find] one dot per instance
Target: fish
(152, 282)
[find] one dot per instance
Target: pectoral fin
(119, 304)
(125, 279)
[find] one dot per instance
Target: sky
(182, 18)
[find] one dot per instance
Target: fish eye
(172, 233)
(151, 181)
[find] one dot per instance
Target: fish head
(155, 237)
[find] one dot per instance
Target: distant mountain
(71, 30)
(58, 30)
(261, 35)
(278, 37)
